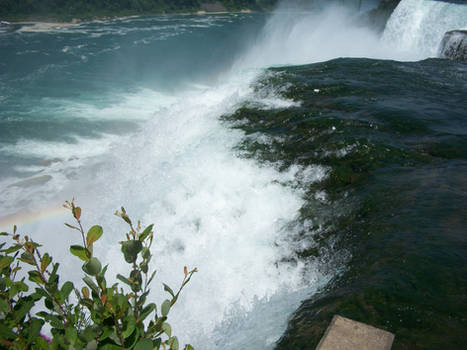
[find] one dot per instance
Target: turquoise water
(291, 157)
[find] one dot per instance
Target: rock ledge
(454, 45)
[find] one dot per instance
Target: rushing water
(273, 182)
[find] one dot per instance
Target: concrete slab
(347, 334)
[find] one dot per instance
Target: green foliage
(85, 9)
(97, 316)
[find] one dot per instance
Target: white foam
(225, 215)
(81, 148)
(131, 106)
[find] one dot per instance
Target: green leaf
(41, 344)
(85, 292)
(129, 326)
(91, 284)
(27, 258)
(136, 279)
(45, 262)
(72, 227)
(34, 328)
(11, 249)
(189, 347)
(86, 302)
(94, 234)
(16, 288)
(168, 289)
(124, 279)
(159, 322)
(35, 276)
(92, 345)
(106, 332)
(167, 329)
(71, 335)
(49, 304)
(5, 261)
(23, 309)
(103, 271)
(145, 233)
(36, 245)
(147, 311)
(165, 308)
(89, 334)
(41, 293)
(131, 250)
(66, 289)
(152, 277)
(144, 267)
(134, 337)
(173, 342)
(144, 344)
(55, 266)
(4, 307)
(80, 252)
(146, 253)
(92, 267)
(110, 347)
(6, 333)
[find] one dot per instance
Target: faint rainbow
(24, 218)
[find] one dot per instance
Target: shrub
(97, 316)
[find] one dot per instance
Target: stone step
(346, 334)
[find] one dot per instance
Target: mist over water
(299, 37)
(131, 112)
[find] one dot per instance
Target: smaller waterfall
(418, 26)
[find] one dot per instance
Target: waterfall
(418, 26)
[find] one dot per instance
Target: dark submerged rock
(378, 17)
(454, 45)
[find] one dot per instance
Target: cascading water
(174, 165)
(129, 114)
(419, 25)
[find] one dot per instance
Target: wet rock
(454, 45)
(378, 17)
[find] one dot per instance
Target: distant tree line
(67, 9)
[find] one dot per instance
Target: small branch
(44, 279)
(119, 332)
(82, 233)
